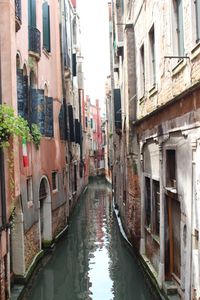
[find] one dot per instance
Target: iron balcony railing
(18, 9)
(34, 40)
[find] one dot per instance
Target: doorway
(173, 240)
(45, 212)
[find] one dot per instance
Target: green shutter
(46, 26)
(32, 13)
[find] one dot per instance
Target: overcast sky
(95, 45)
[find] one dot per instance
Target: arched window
(45, 90)
(25, 73)
(33, 83)
(18, 61)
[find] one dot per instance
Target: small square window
(55, 181)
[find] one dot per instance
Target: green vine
(10, 125)
(31, 63)
(36, 135)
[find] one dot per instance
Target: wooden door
(173, 257)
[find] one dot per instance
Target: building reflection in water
(91, 262)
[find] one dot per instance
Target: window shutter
(49, 117)
(78, 131)
(46, 26)
(26, 98)
(32, 13)
(20, 96)
(74, 64)
(61, 123)
(71, 123)
(117, 109)
(37, 109)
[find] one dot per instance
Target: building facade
(162, 67)
(42, 80)
(95, 140)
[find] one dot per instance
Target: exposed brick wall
(173, 76)
(152, 250)
(58, 219)
(186, 104)
(2, 280)
(32, 244)
(133, 206)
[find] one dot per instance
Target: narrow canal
(92, 262)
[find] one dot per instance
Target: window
(55, 181)
(29, 189)
(142, 72)
(156, 206)
(171, 168)
(32, 13)
(75, 178)
(63, 176)
(152, 56)
(46, 26)
(152, 205)
(148, 201)
(197, 15)
(178, 26)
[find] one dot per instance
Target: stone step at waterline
(170, 288)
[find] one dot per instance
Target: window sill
(48, 138)
(156, 238)
(46, 53)
(171, 190)
(195, 51)
(142, 99)
(153, 235)
(34, 54)
(179, 67)
(153, 90)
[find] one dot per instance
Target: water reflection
(92, 262)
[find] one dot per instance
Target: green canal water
(92, 261)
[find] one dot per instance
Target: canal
(92, 261)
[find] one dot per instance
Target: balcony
(18, 14)
(34, 42)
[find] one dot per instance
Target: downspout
(2, 166)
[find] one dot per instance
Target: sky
(95, 46)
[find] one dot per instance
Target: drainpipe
(2, 167)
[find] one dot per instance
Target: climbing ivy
(11, 125)
(36, 135)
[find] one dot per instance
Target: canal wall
(34, 257)
(143, 262)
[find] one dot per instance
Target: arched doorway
(45, 215)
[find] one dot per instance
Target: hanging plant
(36, 135)
(10, 125)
